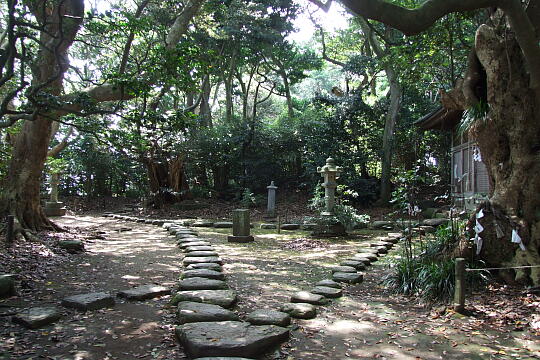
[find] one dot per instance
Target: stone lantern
(330, 172)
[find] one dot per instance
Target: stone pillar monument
(241, 227)
(328, 225)
(271, 208)
(54, 207)
(330, 172)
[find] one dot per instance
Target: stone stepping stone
(203, 273)
(345, 269)
(268, 317)
(309, 298)
(157, 222)
(299, 310)
(364, 255)
(36, 317)
(290, 226)
(144, 292)
(202, 259)
(167, 225)
(268, 226)
(328, 292)
(223, 225)
(382, 249)
(209, 266)
(348, 278)
(193, 243)
(229, 338)
(189, 240)
(71, 246)
(190, 312)
(224, 298)
(386, 244)
(200, 283)
(358, 265)
(203, 224)
(201, 253)
(186, 236)
(199, 248)
(90, 301)
(329, 283)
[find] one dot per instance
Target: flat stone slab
(268, 317)
(223, 225)
(90, 301)
(184, 245)
(358, 265)
(329, 283)
(224, 298)
(202, 259)
(189, 312)
(200, 283)
(386, 244)
(300, 310)
(382, 249)
(203, 273)
(36, 317)
(199, 248)
(229, 338)
(309, 298)
(346, 269)
(186, 236)
(144, 292)
(203, 224)
(71, 246)
(328, 292)
(348, 278)
(268, 226)
(201, 253)
(365, 255)
(209, 266)
(290, 226)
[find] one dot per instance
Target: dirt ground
(366, 323)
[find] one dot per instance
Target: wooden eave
(440, 119)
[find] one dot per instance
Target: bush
(426, 269)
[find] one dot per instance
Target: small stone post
(55, 180)
(9, 230)
(330, 172)
(459, 289)
(54, 207)
(241, 227)
(271, 208)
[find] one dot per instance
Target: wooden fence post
(9, 229)
(459, 290)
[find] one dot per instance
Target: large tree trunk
(167, 180)
(60, 22)
(509, 140)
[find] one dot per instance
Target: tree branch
(413, 21)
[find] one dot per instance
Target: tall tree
(503, 79)
(57, 24)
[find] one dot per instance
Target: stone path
(232, 300)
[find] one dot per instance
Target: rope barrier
(505, 268)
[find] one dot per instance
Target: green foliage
(347, 215)
(426, 269)
(248, 199)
